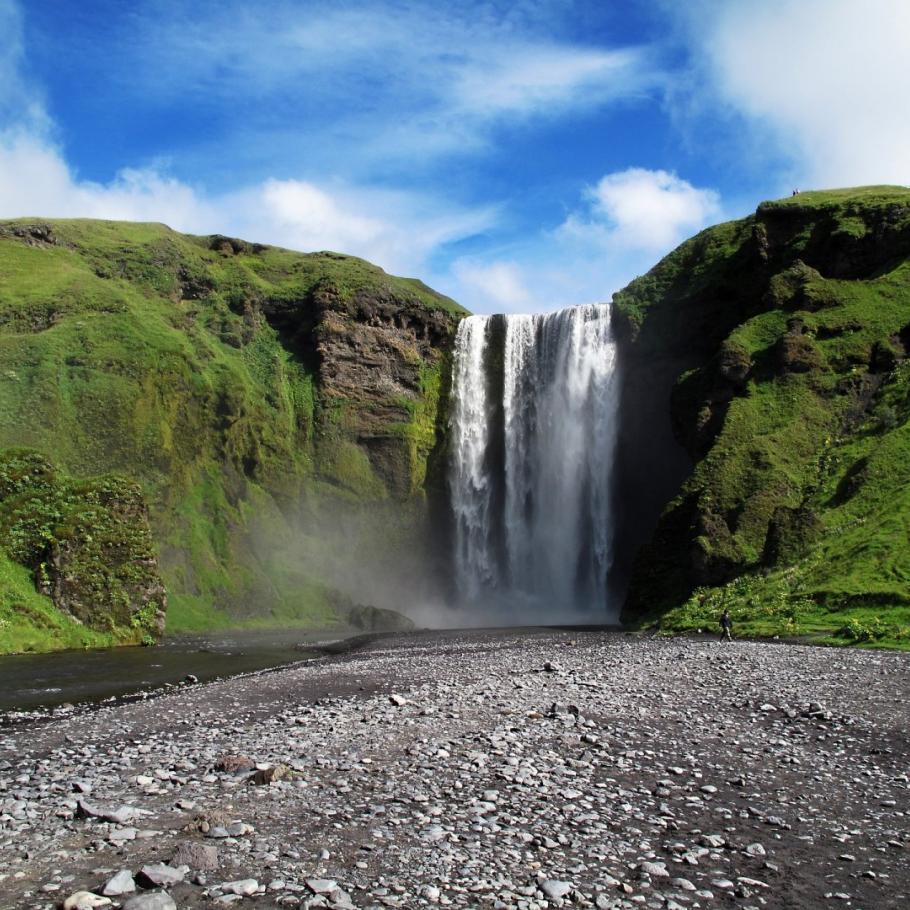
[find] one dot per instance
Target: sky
(518, 156)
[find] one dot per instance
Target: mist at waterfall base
(532, 440)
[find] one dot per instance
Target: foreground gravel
(520, 769)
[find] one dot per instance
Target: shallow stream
(30, 681)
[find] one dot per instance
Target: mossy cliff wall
(775, 350)
(281, 412)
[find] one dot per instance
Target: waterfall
(532, 448)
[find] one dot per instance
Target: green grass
(29, 621)
(85, 544)
(800, 494)
(767, 607)
(862, 195)
(132, 349)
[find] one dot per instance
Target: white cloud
(826, 81)
(20, 102)
(396, 230)
(542, 79)
(642, 210)
(35, 180)
(498, 286)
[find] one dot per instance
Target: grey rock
(654, 869)
(153, 900)
(555, 889)
(85, 900)
(120, 884)
(200, 857)
(321, 885)
(243, 887)
(159, 875)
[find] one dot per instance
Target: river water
(31, 681)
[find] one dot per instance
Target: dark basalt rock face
(375, 356)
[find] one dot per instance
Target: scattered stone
(201, 857)
(555, 890)
(159, 875)
(120, 884)
(321, 885)
(629, 779)
(121, 816)
(244, 887)
(153, 900)
(85, 900)
(234, 764)
(655, 870)
(270, 775)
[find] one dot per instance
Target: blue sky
(517, 156)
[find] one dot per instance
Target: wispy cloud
(377, 92)
(542, 79)
(822, 82)
(621, 226)
(364, 85)
(499, 285)
(20, 100)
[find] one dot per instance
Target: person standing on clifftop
(726, 625)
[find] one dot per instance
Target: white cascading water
(530, 480)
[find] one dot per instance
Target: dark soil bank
(523, 769)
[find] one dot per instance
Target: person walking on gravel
(726, 625)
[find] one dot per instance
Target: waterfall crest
(533, 431)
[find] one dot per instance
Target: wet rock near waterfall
(378, 619)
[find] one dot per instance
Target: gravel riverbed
(513, 769)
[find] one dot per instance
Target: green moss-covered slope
(270, 404)
(91, 573)
(789, 333)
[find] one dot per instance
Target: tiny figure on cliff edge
(726, 625)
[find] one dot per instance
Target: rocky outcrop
(88, 544)
(378, 358)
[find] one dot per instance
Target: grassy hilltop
(222, 377)
(790, 334)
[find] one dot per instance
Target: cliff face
(281, 412)
(776, 349)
